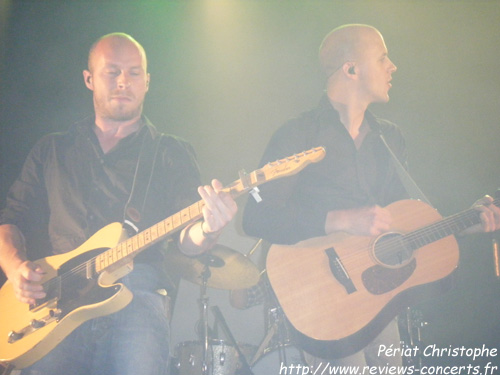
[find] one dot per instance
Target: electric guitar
(80, 285)
(339, 291)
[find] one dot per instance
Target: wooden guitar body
(340, 291)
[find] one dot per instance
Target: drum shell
(222, 358)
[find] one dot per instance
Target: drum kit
(225, 268)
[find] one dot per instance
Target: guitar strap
(410, 185)
(142, 180)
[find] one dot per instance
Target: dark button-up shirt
(68, 188)
(295, 208)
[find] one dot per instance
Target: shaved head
(117, 75)
(345, 43)
(116, 40)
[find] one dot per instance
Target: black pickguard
(76, 285)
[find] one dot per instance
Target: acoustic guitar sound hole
(391, 250)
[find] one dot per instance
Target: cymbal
(227, 268)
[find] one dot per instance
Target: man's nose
(393, 67)
(123, 81)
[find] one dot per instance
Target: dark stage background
(226, 74)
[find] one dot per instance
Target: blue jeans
(132, 341)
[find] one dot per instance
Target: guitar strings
(92, 262)
(424, 234)
(234, 190)
(421, 236)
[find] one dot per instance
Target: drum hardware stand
(245, 370)
(204, 315)
(252, 250)
(275, 329)
(208, 261)
(496, 255)
(278, 319)
(222, 268)
(411, 325)
(263, 345)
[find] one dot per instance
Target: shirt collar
(329, 115)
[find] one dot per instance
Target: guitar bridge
(339, 271)
(53, 294)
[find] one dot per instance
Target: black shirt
(295, 208)
(68, 188)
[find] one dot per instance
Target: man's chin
(121, 115)
(127, 117)
(383, 100)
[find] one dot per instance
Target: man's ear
(349, 68)
(87, 78)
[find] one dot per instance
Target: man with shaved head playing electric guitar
(338, 278)
(76, 182)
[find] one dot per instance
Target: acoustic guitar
(339, 291)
